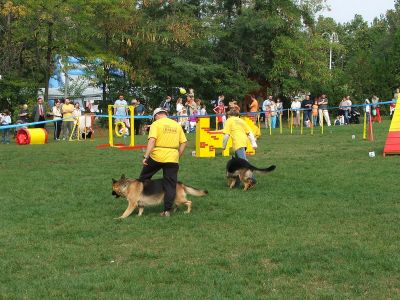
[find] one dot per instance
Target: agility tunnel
(31, 136)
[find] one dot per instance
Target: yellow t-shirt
(169, 135)
(238, 131)
(67, 110)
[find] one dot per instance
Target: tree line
(148, 48)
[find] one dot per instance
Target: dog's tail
(193, 191)
(263, 170)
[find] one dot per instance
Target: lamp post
(333, 38)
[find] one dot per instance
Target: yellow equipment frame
(131, 109)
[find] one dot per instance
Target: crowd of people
(312, 110)
(64, 113)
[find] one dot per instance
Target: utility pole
(333, 38)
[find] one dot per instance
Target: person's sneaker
(165, 213)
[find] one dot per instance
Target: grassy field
(325, 224)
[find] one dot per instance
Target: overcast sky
(344, 10)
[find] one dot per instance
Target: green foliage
(148, 48)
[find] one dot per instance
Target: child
(192, 121)
(183, 120)
(5, 119)
(203, 111)
(315, 112)
(220, 111)
(337, 121)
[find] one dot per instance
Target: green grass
(325, 224)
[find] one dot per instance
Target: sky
(344, 10)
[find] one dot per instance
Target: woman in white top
(179, 106)
(57, 117)
(76, 113)
(183, 119)
(273, 111)
(296, 105)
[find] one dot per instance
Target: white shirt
(296, 105)
(179, 107)
(6, 120)
(120, 107)
(265, 104)
(56, 112)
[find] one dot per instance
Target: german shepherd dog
(150, 192)
(238, 168)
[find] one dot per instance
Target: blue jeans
(5, 136)
(273, 121)
(315, 121)
(241, 153)
(346, 117)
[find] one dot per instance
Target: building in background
(71, 80)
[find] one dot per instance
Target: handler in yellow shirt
(68, 121)
(166, 143)
(239, 131)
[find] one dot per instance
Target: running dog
(238, 168)
(150, 192)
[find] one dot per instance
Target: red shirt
(220, 109)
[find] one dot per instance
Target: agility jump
(120, 129)
(207, 141)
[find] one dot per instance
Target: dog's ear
(114, 181)
(123, 177)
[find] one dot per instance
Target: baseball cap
(158, 110)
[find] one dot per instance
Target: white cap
(158, 110)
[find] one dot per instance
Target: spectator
(234, 105)
(323, 110)
(138, 111)
(376, 111)
(347, 113)
(306, 104)
(393, 106)
(265, 107)
(342, 108)
(190, 104)
(164, 148)
(220, 112)
(166, 104)
(193, 120)
(315, 112)
(203, 110)
(273, 112)
(23, 116)
(198, 104)
(191, 107)
(5, 119)
(76, 113)
(253, 108)
(279, 110)
(68, 121)
(337, 121)
(367, 107)
(296, 106)
(179, 105)
(57, 117)
(183, 120)
(39, 113)
(121, 110)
